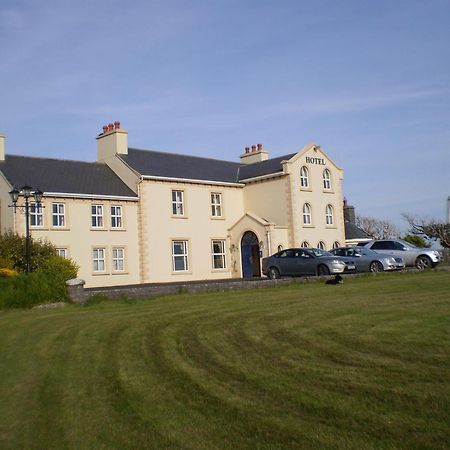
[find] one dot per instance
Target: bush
(13, 250)
(6, 273)
(58, 268)
(418, 241)
(27, 290)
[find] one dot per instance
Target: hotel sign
(319, 161)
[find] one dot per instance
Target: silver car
(422, 258)
(305, 261)
(367, 260)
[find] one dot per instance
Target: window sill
(120, 273)
(60, 229)
(303, 189)
(174, 216)
(217, 217)
(220, 270)
(181, 272)
(117, 229)
(96, 274)
(328, 191)
(98, 229)
(308, 226)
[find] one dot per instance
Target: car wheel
(376, 266)
(274, 273)
(424, 262)
(323, 270)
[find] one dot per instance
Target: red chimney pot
(253, 148)
(105, 128)
(259, 147)
(110, 127)
(116, 124)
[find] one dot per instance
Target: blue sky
(368, 81)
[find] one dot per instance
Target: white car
(422, 258)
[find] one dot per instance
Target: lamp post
(27, 192)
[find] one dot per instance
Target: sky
(369, 81)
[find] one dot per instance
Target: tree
(377, 229)
(429, 229)
(416, 240)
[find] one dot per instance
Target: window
(98, 259)
(116, 216)
(306, 214)
(218, 254)
(97, 216)
(336, 244)
(216, 204)
(383, 245)
(177, 203)
(305, 244)
(304, 177)
(36, 215)
(58, 219)
(280, 247)
(329, 215)
(118, 259)
(180, 256)
(62, 252)
(326, 179)
(321, 245)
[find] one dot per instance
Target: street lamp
(27, 192)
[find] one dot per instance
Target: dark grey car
(305, 261)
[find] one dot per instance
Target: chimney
(2, 147)
(349, 212)
(112, 141)
(254, 154)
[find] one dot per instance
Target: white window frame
(321, 245)
(306, 214)
(59, 215)
(118, 259)
(305, 244)
(329, 215)
(99, 259)
(97, 216)
(62, 251)
(177, 202)
(327, 179)
(219, 256)
(336, 244)
(116, 216)
(184, 256)
(36, 215)
(304, 177)
(216, 204)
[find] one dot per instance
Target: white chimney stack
(254, 154)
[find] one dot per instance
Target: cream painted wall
(158, 227)
(6, 214)
(268, 199)
(80, 238)
(318, 198)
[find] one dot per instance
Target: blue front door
(247, 261)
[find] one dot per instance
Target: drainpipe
(269, 248)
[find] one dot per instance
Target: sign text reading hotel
(319, 161)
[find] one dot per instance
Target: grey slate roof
(263, 168)
(63, 176)
(354, 232)
(171, 165)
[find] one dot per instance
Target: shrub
(13, 249)
(58, 268)
(27, 290)
(6, 273)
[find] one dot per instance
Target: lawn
(355, 366)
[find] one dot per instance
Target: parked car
(367, 260)
(305, 261)
(422, 258)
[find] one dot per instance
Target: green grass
(357, 366)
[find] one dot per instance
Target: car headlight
(337, 261)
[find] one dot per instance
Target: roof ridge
(53, 159)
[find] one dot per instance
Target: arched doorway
(250, 255)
